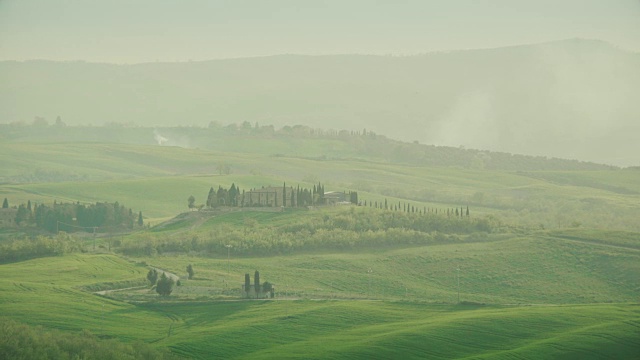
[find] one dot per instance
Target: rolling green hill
(157, 181)
(546, 266)
(539, 268)
(397, 310)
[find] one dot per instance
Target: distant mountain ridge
(570, 99)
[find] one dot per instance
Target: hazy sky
(130, 31)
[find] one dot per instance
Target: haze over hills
(569, 99)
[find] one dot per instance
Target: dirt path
(169, 275)
(106, 292)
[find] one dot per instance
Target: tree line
(346, 229)
(40, 246)
(285, 196)
(71, 217)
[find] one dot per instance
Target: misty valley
(319, 179)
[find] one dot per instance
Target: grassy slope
(567, 267)
(391, 330)
(526, 269)
(158, 180)
(43, 291)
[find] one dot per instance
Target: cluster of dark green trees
(224, 197)
(70, 217)
(265, 288)
(285, 196)
(164, 284)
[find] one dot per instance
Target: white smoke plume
(159, 138)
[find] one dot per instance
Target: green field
(158, 180)
(326, 306)
(554, 274)
(518, 270)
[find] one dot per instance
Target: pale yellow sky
(132, 31)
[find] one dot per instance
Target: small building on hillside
(8, 217)
(335, 197)
(273, 196)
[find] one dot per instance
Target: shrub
(152, 276)
(165, 285)
(190, 271)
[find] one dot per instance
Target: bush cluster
(344, 230)
(20, 341)
(41, 246)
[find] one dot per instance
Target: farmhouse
(274, 196)
(335, 197)
(8, 216)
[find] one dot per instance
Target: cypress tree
(292, 198)
(5, 204)
(320, 192)
(284, 194)
(152, 276)
(140, 218)
(256, 280)
(247, 283)
(210, 197)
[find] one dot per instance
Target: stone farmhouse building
(336, 198)
(270, 196)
